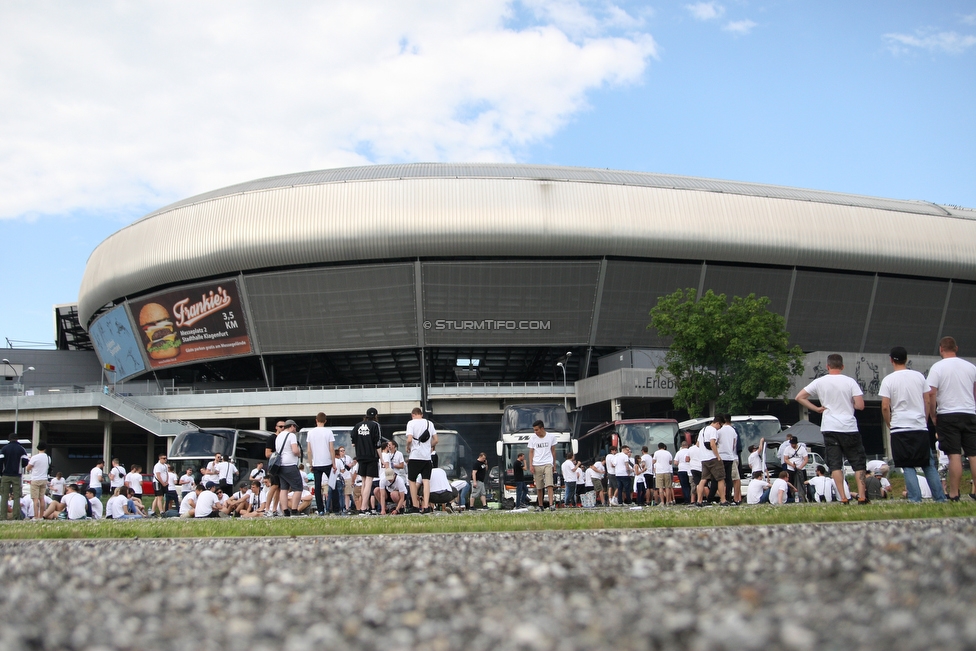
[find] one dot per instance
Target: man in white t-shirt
(320, 441)
(38, 468)
(728, 439)
(441, 490)
(794, 460)
(116, 475)
(421, 441)
(758, 491)
(57, 487)
(903, 406)
(160, 482)
(289, 479)
(189, 502)
(610, 478)
(682, 460)
(392, 488)
(568, 471)
(73, 504)
(115, 506)
(96, 504)
(542, 461)
(757, 457)
(662, 474)
(208, 505)
(599, 477)
(952, 407)
(186, 483)
(133, 480)
(96, 477)
(695, 468)
(780, 489)
(647, 466)
(224, 473)
(623, 470)
(839, 396)
(823, 486)
(712, 467)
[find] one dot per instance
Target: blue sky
(111, 110)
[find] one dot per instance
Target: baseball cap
(210, 485)
(372, 411)
(899, 354)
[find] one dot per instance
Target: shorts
(597, 484)
(274, 477)
(369, 468)
(957, 433)
(713, 469)
(662, 481)
(420, 467)
(695, 477)
(542, 475)
(158, 491)
(844, 444)
(735, 470)
(38, 488)
(910, 448)
(477, 491)
(347, 487)
(290, 479)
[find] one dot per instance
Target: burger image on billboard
(160, 334)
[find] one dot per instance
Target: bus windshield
(638, 435)
(519, 418)
(203, 443)
(512, 451)
(750, 431)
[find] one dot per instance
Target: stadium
(474, 285)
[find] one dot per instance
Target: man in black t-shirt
(478, 475)
(367, 437)
(521, 486)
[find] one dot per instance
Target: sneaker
(429, 509)
(552, 508)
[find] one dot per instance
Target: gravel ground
(879, 585)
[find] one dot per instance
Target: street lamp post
(562, 365)
(17, 387)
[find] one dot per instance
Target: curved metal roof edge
(529, 172)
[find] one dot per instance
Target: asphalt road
(889, 585)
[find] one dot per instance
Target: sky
(110, 110)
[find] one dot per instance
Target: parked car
(79, 479)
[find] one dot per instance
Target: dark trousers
(521, 493)
(624, 490)
(317, 472)
(728, 479)
(797, 477)
(685, 486)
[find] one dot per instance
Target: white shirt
(598, 469)
(97, 510)
(415, 429)
(874, 465)
(778, 492)
(756, 461)
(793, 458)
(824, 488)
(160, 470)
(95, 477)
(346, 467)
(755, 490)
(397, 460)
(318, 439)
(662, 462)
(648, 461)
(188, 502)
(438, 480)
(74, 506)
(116, 477)
(171, 483)
(40, 463)
(57, 486)
(694, 458)
(683, 457)
(705, 438)
(396, 485)
(727, 437)
(906, 390)
(542, 448)
(954, 378)
(836, 393)
(283, 443)
(569, 471)
(134, 481)
(206, 502)
(621, 465)
(588, 477)
(186, 483)
(115, 506)
(609, 463)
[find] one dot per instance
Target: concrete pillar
(617, 412)
(150, 452)
(804, 413)
(263, 423)
(35, 435)
(107, 444)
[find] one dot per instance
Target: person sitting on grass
(74, 505)
(758, 491)
(824, 487)
(780, 489)
(134, 503)
(189, 502)
(207, 503)
(251, 506)
(96, 504)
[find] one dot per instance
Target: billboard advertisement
(116, 344)
(191, 324)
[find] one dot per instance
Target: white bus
(516, 428)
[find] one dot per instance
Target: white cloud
(706, 10)
(739, 27)
(969, 20)
(949, 42)
(109, 105)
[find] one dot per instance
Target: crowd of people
(323, 478)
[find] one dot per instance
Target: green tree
(722, 352)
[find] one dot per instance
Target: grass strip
(486, 521)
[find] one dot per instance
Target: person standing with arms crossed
(542, 462)
(952, 407)
(839, 397)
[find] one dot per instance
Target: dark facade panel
(742, 281)
(960, 319)
(630, 290)
(906, 313)
(509, 303)
(344, 308)
(829, 310)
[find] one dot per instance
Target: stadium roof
(435, 210)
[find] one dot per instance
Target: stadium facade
(442, 275)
